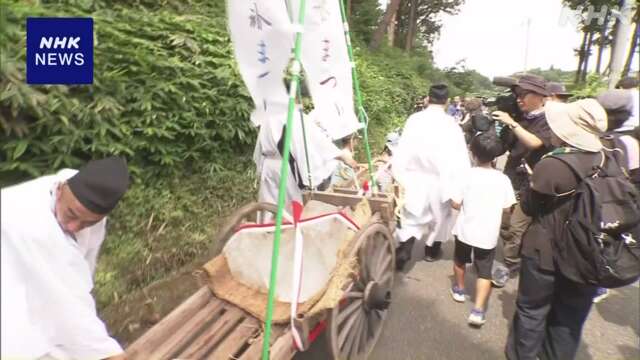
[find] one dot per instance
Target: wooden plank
(283, 348)
(214, 332)
(233, 343)
(346, 199)
(255, 350)
(152, 339)
(381, 204)
(348, 191)
(191, 328)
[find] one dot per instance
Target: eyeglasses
(521, 93)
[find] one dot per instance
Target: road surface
(425, 323)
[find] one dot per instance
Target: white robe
(47, 306)
(430, 157)
(322, 154)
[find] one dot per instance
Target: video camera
(506, 100)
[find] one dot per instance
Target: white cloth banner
(327, 67)
(262, 38)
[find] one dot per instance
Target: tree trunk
(581, 53)
(612, 48)
(632, 51)
(624, 32)
(602, 43)
(587, 55)
(411, 29)
(378, 35)
(391, 30)
(348, 9)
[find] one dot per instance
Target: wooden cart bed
(204, 327)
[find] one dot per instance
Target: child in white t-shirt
(485, 194)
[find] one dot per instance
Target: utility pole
(621, 41)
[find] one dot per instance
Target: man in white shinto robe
(322, 155)
(52, 228)
(430, 157)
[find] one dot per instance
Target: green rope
(284, 173)
(362, 115)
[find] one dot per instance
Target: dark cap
(533, 83)
(100, 184)
(438, 93)
(557, 89)
(616, 99)
(628, 82)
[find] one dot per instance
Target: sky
(492, 36)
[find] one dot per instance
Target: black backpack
(599, 243)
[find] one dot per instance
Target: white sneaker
(457, 294)
(476, 318)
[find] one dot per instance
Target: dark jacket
(537, 125)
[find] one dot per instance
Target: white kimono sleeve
(58, 284)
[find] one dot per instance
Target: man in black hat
(52, 229)
(557, 92)
(533, 141)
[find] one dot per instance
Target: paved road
(425, 323)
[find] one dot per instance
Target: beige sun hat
(579, 123)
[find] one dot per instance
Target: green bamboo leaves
(166, 91)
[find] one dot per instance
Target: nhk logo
(59, 50)
(55, 58)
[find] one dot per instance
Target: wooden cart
(205, 327)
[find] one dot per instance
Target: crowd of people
(444, 159)
(446, 163)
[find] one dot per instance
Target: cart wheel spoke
(377, 261)
(351, 347)
(384, 279)
(365, 334)
(355, 327)
(375, 319)
(365, 260)
(375, 241)
(344, 314)
(383, 268)
(354, 295)
(346, 331)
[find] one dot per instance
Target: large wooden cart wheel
(356, 323)
(244, 214)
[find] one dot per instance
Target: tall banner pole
(284, 173)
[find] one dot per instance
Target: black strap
(293, 165)
(571, 161)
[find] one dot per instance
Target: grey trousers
(511, 231)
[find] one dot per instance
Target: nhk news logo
(59, 50)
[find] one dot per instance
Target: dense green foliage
(167, 95)
(365, 15)
(163, 225)
(165, 92)
(553, 74)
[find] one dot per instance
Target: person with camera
(551, 306)
(532, 140)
